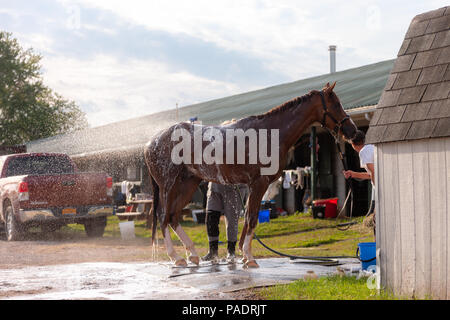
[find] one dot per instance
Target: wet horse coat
(174, 184)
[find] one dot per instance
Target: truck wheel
(13, 228)
(95, 227)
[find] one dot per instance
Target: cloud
(263, 29)
(112, 90)
(279, 33)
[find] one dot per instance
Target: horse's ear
(326, 86)
(329, 88)
(332, 86)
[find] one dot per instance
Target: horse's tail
(154, 208)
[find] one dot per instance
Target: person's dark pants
(212, 224)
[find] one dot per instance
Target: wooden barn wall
(413, 221)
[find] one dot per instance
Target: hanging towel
(287, 180)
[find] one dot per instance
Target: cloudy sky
(120, 59)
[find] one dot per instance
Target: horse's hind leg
(176, 197)
(165, 215)
(184, 191)
(188, 244)
(179, 261)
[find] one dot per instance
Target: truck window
(38, 165)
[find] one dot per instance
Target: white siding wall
(413, 220)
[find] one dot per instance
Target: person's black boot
(213, 253)
(231, 256)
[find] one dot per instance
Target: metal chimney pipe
(332, 50)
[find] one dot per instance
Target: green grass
(297, 234)
(332, 287)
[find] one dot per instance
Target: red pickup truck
(45, 189)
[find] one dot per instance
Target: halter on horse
(174, 184)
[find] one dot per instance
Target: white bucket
(196, 212)
(127, 230)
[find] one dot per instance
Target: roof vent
(332, 50)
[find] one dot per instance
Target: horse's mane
(286, 105)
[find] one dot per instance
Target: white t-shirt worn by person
(366, 155)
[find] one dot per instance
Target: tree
(28, 109)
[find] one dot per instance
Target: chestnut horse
(174, 183)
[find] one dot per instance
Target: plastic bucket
(199, 216)
(330, 206)
(367, 254)
(264, 216)
(270, 205)
(127, 230)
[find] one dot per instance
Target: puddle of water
(226, 278)
(137, 281)
(96, 281)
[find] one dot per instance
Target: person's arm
(359, 175)
(371, 169)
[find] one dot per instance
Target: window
(132, 173)
(39, 165)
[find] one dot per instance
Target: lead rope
(350, 189)
(345, 226)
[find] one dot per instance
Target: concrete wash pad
(152, 281)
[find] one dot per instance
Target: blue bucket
(367, 254)
(264, 216)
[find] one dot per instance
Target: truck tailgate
(65, 190)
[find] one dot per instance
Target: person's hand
(347, 174)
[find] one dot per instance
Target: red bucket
(330, 206)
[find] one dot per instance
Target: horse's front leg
(243, 234)
(257, 191)
(249, 260)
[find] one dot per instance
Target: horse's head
(333, 115)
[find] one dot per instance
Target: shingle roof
(415, 101)
(355, 87)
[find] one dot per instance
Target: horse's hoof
(181, 263)
(251, 264)
(194, 260)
